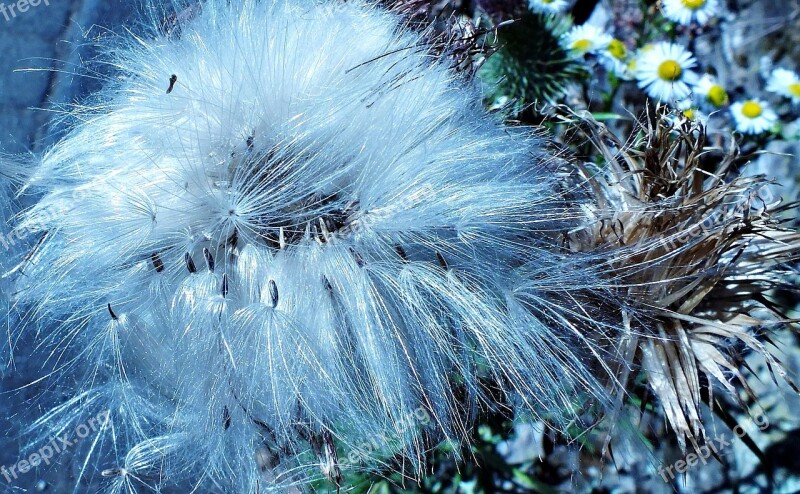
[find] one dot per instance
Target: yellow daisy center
(582, 45)
(693, 4)
(669, 70)
(689, 114)
(717, 95)
(548, 1)
(794, 89)
(752, 109)
(617, 49)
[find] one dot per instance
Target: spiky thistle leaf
(529, 63)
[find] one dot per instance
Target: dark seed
(111, 472)
(111, 311)
(190, 263)
(233, 240)
(442, 262)
(157, 262)
(226, 418)
(172, 80)
(401, 252)
(225, 285)
(273, 293)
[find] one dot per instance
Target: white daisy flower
(615, 58)
(548, 6)
(663, 71)
(710, 92)
(585, 39)
(686, 12)
(753, 116)
(786, 83)
(693, 114)
(690, 111)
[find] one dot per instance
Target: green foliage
(481, 469)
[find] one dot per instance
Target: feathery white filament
(287, 229)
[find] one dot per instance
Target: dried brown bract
(696, 251)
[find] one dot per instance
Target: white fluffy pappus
(285, 229)
(8, 246)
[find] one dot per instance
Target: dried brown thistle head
(695, 251)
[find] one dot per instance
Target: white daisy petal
(753, 116)
(586, 39)
(548, 6)
(709, 92)
(686, 12)
(615, 59)
(785, 83)
(688, 112)
(663, 71)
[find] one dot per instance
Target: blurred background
(41, 52)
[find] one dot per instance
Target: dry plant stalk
(698, 251)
